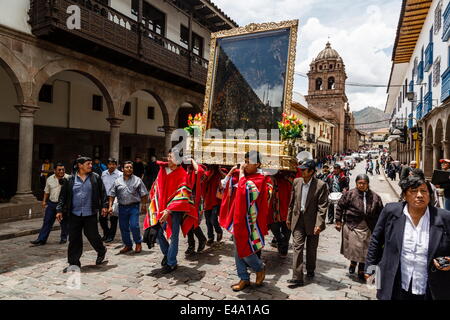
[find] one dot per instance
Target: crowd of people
(406, 240)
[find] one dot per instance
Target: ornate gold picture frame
(264, 99)
(255, 30)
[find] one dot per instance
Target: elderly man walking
(306, 219)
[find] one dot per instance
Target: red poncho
(279, 204)
(247, 217)
(171, 191)
(211, 185)
(196, 182)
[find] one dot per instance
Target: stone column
(436, 155)
(168, 130)
(26, 130)
(446, 147)
(114, 140)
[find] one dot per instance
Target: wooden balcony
(112, 36)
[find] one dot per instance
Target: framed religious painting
(249, 84)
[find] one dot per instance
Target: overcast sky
(362, 31)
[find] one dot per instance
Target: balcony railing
(420, 72)
(116, 38)
(427, 103)
(419, 111)
(445, 92)
(446, 28)
(428, 56)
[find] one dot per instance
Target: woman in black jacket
(407, 239)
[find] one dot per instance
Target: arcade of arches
(57, 103)
(435, 143)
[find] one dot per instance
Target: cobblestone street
(36, 272)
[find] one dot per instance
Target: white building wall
(440, 49)
(14, 14)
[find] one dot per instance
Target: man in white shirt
(109, 177)
(49, 203)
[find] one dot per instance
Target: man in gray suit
(306, 220)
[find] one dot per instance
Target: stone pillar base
(23, 198)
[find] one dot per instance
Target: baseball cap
(308, 164)
(444, 160)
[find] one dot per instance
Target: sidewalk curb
(24, 233)
(390, 185)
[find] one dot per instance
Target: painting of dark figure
(249, 80)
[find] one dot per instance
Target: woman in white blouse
(406, 241)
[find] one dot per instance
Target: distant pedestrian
(445, 166)
(377, 167)
(130, 192)
(45, 172)
(406, 170)
(337, 182)
(138, 168)
(49, 203)
(109, 177)
(98, 167)
(151, 172)
(81, 199)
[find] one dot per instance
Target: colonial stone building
(326, 97)
(118, 86)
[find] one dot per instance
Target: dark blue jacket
(386, 246)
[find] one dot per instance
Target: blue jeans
(49, 220)
(171, 250)
(129, 220)
(212, 222)
(252, 262)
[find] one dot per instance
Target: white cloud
(362, 34)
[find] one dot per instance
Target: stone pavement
(36, 272)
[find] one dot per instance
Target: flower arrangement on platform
(291, 128)
(194, 122)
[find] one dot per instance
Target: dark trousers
(399, 293)
(109, 231)
(312, 242)
(78, 225)
(49, 220)
(282, 235)
(331, 212)
(212, 222)
(198, 233)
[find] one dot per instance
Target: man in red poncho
(171, 206)
(246, 219)
(196, 179)
(278, 211)
(212, 204)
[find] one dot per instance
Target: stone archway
(9, 107)
(428, 165)
(183, 112)
(16, 71)
(447, 139)
(100, 79)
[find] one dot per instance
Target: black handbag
(151, 234)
